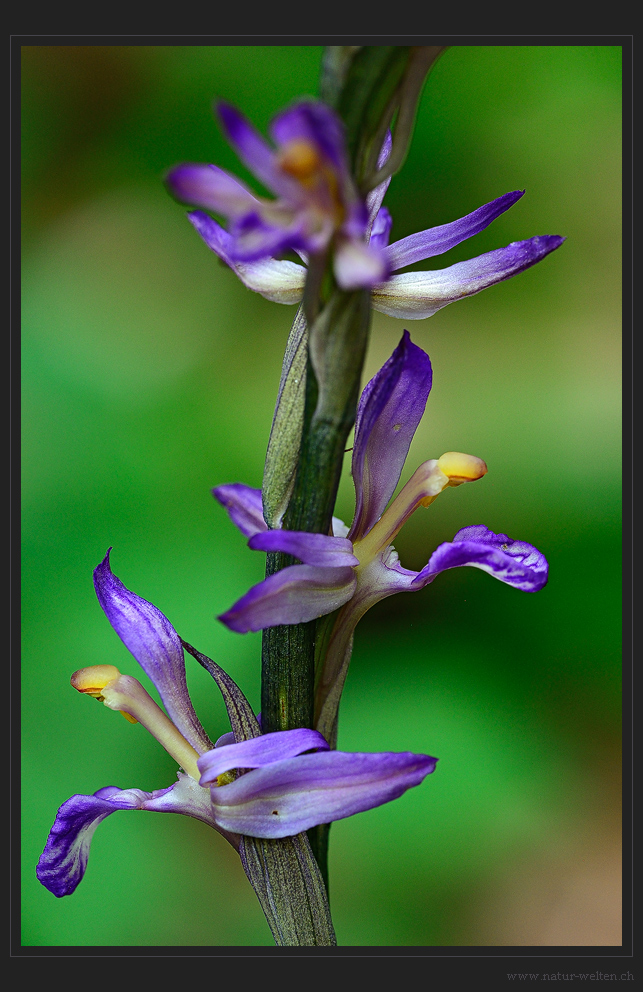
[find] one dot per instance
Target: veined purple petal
(64, 860)
(315, 123)
(210, 187)
(388, 414)
(156, 646)
(244, 506)
(293, 795)
(311, 549)
(294, 595)
(416, 295)
(259, 751)
(254, 151)
(515, 562)
(437, 240)
(279, 281)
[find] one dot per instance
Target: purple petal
(388, 414)
(278, 281)
(293, 595)
(243, 505)
(254, 151)
(254, 237)
(290, 796)
(312, 549)
(381, 229)
(515, 562)
(156, 646)
(210, 187)
(225, 739)
(358, 265)
(416, 295)
(437, 240)
(315, 123)
(375, 197)
(64, 860)
(258, 752)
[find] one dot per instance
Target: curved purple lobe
(294, 595)
(244, 506)
(311, 549)
(153, 641)
(258, 752)
(517, 563)
(389, 411)
(289, 796)
(437, 240)
(313, 122)
(64, 860)
(210, 187)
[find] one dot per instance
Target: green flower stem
(336, 356)
(366, 86)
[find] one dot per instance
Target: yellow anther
(461, 468)
(300, 159)
(123, 693)
(92, 681)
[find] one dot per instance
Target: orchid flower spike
(247, 784)
(317, 202)
(355, 568)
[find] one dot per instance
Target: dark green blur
(150, 376)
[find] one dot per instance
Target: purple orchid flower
(309, 205)
(353, 569)
(317, 203)
(247, 784)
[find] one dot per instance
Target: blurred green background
(150, 375)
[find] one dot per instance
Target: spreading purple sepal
(254, 151)
(516, 563)
(437, 240)
(294, 595)
(389, 411)
(311, 549)
(277, 280)
(64, 860)
(416, 295)
(244, 506)
(293, 795)
(210, 187)
(153, 641)
(258, 752)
